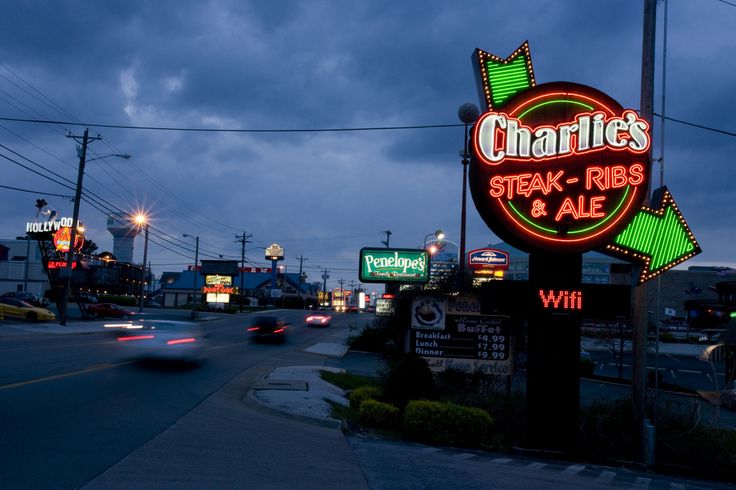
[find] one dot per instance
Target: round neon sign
(62, 237)
(563, 168)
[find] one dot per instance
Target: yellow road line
(91, 369)
(55, 346)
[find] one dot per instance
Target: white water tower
(124, 231)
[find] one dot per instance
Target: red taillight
(181, 341)
(310, 318)
(134, 337)
(254, 329)
(279, 330)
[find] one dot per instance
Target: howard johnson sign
(488, 258)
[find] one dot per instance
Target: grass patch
(348, 381)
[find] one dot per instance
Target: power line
(707, 128)
(728, 3)
(65, 196)
(293, 130)
(232, 130)
(102, 205)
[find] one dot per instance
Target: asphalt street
(71, 406)
(76, 412)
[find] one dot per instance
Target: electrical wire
(232, 130)
(43, 193)
(105, 207)
(695, 125)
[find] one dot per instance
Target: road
(71, 406)
(686, 371)
(75, 412)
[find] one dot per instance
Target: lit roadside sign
(275, 252)
(563, 168)
(394, 265)
(488, 259)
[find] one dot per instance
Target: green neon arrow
(658, 238)
(501, 78)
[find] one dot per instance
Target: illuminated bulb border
(483, 56)
(646, 274)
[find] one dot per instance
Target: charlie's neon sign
(562, 167)
(501, 137)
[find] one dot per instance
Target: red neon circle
(539, 203)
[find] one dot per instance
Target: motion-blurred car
(318, 319)
(163, 340)
(109, 310)
(728, 396)
(268, 327)
(28, 297)
(15, 308)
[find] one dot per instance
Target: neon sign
(218, 289)
(562, 168)
(561, 300)
(62, 237)
(658, 238)
(400, 265)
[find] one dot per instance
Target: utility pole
(325, 276)
(351, 285)
(639, 313)
(242, 239)
(388, 238)
(82, 151)
(301, 260)
(342, 292)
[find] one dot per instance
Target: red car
(102, 310)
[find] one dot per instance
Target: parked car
(166, 340)
(15, 308)
(86, 297)
(319, 319)
(728, 396)
(268, 327)
(29, 298)
(102, 310)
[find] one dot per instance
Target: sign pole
(553, 382)
(639, 313)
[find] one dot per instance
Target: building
(21, 267)
(597, 268)
(176, 288)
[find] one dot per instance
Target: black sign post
(553, 383)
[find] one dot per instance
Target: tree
(89, 248)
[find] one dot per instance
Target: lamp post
(124, 156)
(142, 221)
(468, 113)
(67, 272)
(438, 235)
(194, 281)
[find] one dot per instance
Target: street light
(194, 281)
(142, 221)
(66, 274)
(438, 235)
(124, 156)
(468, 113)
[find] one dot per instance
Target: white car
(163, 340)
(318, 319)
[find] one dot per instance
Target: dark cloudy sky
(328, 64)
